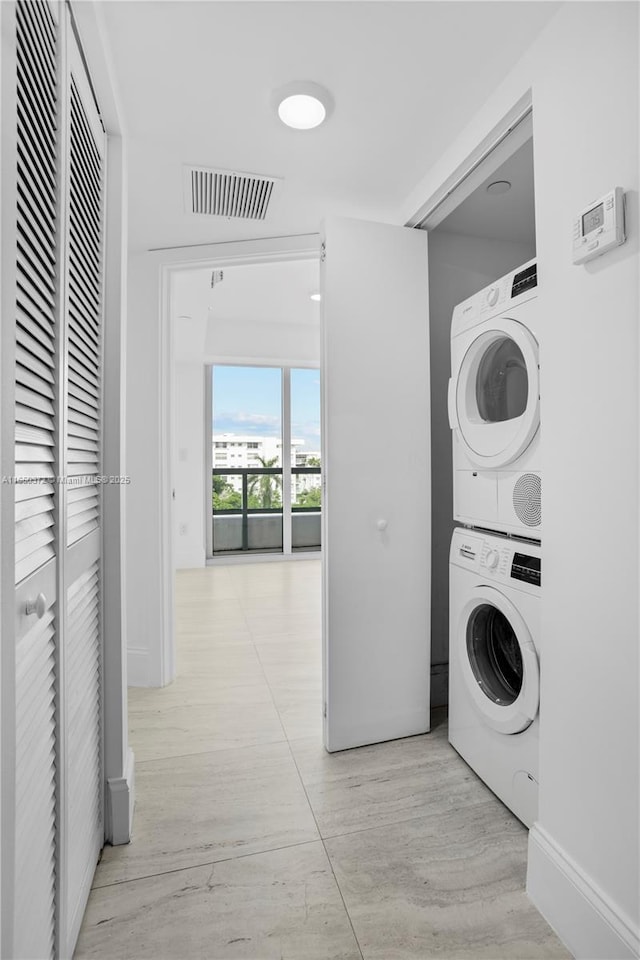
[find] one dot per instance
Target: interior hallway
(250, 841)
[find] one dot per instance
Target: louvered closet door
(34, 883)
(82, 403)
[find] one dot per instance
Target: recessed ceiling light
(302, 112)
(498, 186)
(315, 296)
(303, 106)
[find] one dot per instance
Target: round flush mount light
(303, 105)
(315, 296)
(498, 186)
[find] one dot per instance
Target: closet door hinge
(323, 252)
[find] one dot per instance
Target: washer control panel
(495, 557)
(526, 568)
(498, 558)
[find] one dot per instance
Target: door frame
(118, 756)
(162, 265)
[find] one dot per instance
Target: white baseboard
(138, 666)
(121, 797)
(189, 557)
(590, 925)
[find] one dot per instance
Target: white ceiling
(505, 216)
(196, 80)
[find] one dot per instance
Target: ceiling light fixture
(303, 106)
(498, 186)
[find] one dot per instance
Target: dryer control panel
(514, 287)
(500, 558)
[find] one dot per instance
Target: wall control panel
(599, 227)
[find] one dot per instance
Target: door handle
(37, 606)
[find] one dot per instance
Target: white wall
(145, 594)
(188, 319)
(250, 341)
(189, 467)
(583, 870)
(459, 266)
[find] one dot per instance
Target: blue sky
(246, 400)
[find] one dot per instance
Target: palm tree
(267, 484)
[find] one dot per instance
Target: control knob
(492, 559)
(492, 296)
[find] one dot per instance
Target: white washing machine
(494, 406)
(494, 674)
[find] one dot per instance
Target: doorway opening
(481, 231)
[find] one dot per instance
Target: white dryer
(494, 406)
(494, 674)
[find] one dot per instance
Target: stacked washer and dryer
(495, 559)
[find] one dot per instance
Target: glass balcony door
(264, 434)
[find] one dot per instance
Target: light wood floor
(250, 841)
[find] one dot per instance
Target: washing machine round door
(498, 660)
(497, 394)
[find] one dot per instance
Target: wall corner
(587, 921)
(120, 803)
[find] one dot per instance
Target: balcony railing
(259, 529)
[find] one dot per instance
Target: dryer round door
(498, 660)
(497, 394)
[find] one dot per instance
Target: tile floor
(250, 841)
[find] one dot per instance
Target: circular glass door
(494, 654)
(497, 394)
(499, 661)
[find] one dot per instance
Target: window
(272, 504)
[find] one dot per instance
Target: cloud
(248, 419)
(309, 428)
(252, 423)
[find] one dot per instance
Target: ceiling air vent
(228, 193)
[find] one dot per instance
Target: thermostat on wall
(599, 227)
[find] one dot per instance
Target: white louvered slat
(26, 493)
(35, 791)
(82, 692)
(37, 258)
(83, 415)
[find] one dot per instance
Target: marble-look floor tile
(291, 652)
(294, 676)
(282, 905)
(203, 642)
(227, 664)
(202, 583)
(210, 611)
(201, 728)
(449, 885)
(302, 717)
(194, 691)
(283, 625)
(211, 806)
(385, 783)
(308, 635)
(294, 605)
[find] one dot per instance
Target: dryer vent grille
(527, 501)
